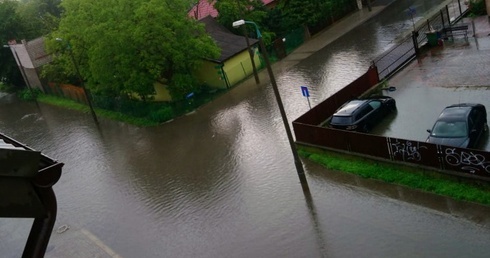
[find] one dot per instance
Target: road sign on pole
(304, 91)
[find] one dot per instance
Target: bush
(6, 88)
(477, 7)
(28, 94)
(162, 114)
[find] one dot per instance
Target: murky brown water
(221, 182)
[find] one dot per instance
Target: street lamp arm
(259, 35)
(239, 23)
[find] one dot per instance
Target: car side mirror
(429, 130)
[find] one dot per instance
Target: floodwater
(221, 182)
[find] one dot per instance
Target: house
(30, 57)
(204, 8)
(234, 63)
(231, 67)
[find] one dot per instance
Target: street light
(297, 161)
(87, 95)
(250, 51)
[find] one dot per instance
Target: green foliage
(70, 104)
(23, 20)
(400, 175)
(313, 12)
(301, 12)
(28, 94)
(39, 17)
(162, 114)
(9, 22)
(233, 10)
(137, 112)
(123, 47)
(249, 10)
(182, 85)
(477, 8)
(8, 88)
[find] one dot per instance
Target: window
(363, 112)
(375, 104)
(341, 120)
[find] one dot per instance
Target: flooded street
(221, 182)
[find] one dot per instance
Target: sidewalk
(327, 36)
(317, 42)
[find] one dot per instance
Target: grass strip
(428, 181)
(70, 104)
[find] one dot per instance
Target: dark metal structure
(26, 180)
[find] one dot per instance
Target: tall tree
(304, 12)
(251, 10)
(39, 17)
(123, 47)
(9, 29)
(27, 20)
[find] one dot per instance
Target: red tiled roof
(206, 8)
(202, 9)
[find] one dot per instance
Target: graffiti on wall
(406, 150)
(467, 160)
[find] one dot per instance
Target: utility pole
(82, 84)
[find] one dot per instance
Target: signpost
(411, 11)
(304, 91)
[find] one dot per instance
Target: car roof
(350, 107)
(457, 111)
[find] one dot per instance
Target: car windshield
(341, 120)
(450, 129)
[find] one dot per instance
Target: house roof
(204, 8)
(37, 53)
(229, 43)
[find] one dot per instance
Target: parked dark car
(362, 114)
(459, 125)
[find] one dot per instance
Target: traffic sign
(304, 91)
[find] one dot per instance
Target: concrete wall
(240, 66)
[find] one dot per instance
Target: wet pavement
(456, 72)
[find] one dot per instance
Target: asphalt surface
(456, 72)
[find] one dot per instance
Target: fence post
(473, 25)
(415, 35)
(459, 5)
(448, 17)
(442, 18)
(428, 25)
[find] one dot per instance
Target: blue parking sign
(304, 91)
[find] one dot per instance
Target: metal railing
(396, 57)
